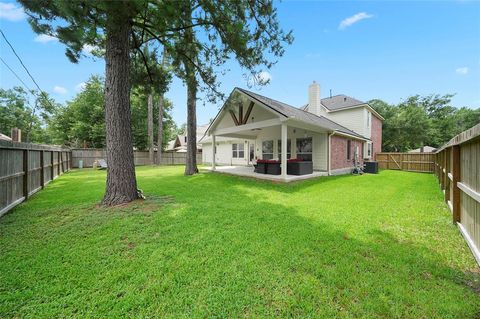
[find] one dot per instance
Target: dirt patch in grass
(150, 204)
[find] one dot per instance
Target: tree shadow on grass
(223, 250)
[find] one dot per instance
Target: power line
(28, 72)
(16, 75)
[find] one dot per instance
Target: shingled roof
(299, 114)
(340, 101)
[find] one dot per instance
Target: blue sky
(387, 50)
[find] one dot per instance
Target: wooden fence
(90, 155)
(27, 168)
(457, 167)
(413, 162)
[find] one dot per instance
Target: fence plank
(25, 175)
(89, 156)
(412, 162)
(24, 169)
(460, 159)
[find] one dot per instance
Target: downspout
(329, 160)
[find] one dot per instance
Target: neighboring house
(4, 137)
(423, 149)
(331, 132)
(179, 144)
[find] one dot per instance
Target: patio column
(284, 151)
(214, 145)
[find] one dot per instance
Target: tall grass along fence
(90, 155)
(27, 168)
(457, 167)
(413, 162)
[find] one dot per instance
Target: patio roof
(290, 112)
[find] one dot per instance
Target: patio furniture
(260, 167)
(298, 167)
(271, 167)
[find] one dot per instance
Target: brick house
(334, 134)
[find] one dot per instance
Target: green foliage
(83, 120)
(422, 120)
(140, 116)
(30, 114)
(218, 246)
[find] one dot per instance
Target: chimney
(314, 98)
(16, 134)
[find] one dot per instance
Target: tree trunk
(151, 154)
(191, 161)
(121, 184)
(161, 102)
(190, 77)
(161, 105)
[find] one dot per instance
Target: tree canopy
(422, 120)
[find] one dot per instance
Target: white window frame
(299, 152)
(270, 155)
(368, 152)
(237, 150)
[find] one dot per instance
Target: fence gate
(412, 162)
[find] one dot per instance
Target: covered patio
(248, 171)
(285, 143)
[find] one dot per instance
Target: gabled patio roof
(288, 112)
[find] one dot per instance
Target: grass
(211, 245)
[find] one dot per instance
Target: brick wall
(339, 152)
(376, 135)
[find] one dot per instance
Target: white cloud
(44, 38)
(80, 86)
(59, 90)
(354, 19)
(10, 12)
(87, 49)
(462, 71)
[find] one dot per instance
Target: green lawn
(211, 245)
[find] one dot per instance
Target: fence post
(42, 169)
(447, 179)
(25, 176)
(456, 178)
(51, 167)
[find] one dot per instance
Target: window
(238, 150)
(267, 149)
(304, 148)
(289, 148)
(349, 149)
(368, 150)
(369, 119)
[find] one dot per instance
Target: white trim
(356, 106)
(449, 203)
(352, 136)
(474, 249)
(247, 127)
(256, 102)
(470, 192)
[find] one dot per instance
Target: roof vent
(345, 99)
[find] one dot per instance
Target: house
(179, 144)
(423, 149)
(334, 133)
(4, 137)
